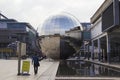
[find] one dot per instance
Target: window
(107, 18)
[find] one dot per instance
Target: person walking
(35, 62)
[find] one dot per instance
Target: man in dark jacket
(36, 64)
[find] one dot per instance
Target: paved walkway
(47, 70)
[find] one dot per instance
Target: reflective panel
(58, 24)
(77, 68)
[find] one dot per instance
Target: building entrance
(115, 45)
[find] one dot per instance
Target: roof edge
(98, 13)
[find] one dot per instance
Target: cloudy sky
(36, 11)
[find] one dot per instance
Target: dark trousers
(35, 69)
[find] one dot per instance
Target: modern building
(86, 37)
(12, 31)
(105, 32)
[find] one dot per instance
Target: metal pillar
(99, 52)
(84, 51)
(108, 48)
(19, 59)
(88, 55)
(92, 52)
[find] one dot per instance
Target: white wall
(96, 29)
(74, 34)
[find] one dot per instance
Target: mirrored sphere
(60, 36)
(58, 24)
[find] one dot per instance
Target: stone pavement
(47, 70)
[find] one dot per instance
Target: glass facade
(86, 35)
(58, 24)
(108, 18)
(16, 26)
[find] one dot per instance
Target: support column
(99, 47)
(108, 48)
(2, 55)
(88, 55)
(19, 59)
(84, 50)
(92, 52)
(116, 11)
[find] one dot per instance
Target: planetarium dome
(58, 24)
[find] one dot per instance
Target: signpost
(21, 50)
(26, 67)
(19, 56)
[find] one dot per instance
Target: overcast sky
(36, 11)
